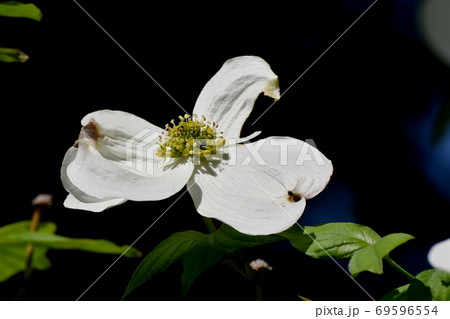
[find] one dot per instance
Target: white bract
(439, 255)
(258, 188)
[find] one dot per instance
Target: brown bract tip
(294, 197)
(89, 131)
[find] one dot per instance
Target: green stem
(259, 292)
(399, 269)
(209, 224)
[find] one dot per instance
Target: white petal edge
(117, 132)
(253, 197)
(252, 201)
(118, 121)
(439, 255)
(115, 157)
(229, 96)
(103, 178)
(77, 199)
(73, 203)
(305, 169)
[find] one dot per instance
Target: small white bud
(259, 264)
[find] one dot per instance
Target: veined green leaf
(346, 240)
(370, 258)
(20, 10)
(12, 55)
(337, 240)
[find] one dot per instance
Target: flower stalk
(209, 225)
(398, 268)
(40, 202)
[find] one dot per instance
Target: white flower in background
(242, 185)
(434, 24)
(439, 255)
(260, 264)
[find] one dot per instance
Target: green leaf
(337, 240)
(24, 226)
(298, 238)
(15, 237)
(196, 262)
(12, 255)
(175, 248)
(398, 294)
(370, 258)
(346, 240)
(197, 253)
(20, 10)
(439, 283)
(12, 260)
(431, 284)
(12, 55)
(228, 240)
(416, 291)
(52, 241)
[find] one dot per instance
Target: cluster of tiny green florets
(190, 136)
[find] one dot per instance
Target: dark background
(370, 103)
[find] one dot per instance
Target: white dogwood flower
(439, 255)
(258, 188)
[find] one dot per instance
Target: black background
(353, 102)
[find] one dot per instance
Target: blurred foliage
(16, 9)
(14, 239)
(12, 55)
